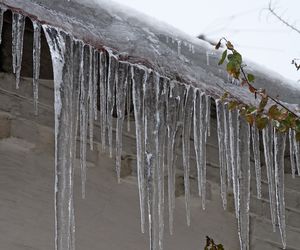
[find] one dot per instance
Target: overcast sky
(256, 33)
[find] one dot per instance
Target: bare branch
(281, 19)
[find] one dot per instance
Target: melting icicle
(121, 90)
(139, 77)
(292, 151)
(128, 104)
(2, 10)
(111, 86)
(91, 95)
(174, 120)
(18, 27)
(227, 142)
(296, 152)
(103, 96)
(96, 81)
(268, 152)
(256, 155)
(61, 51)
(200, 130)
(36, 63)
(233, 131)
(222, 155)
(208, 113)
(161, 95)
(84, 92)
(243, 162)
(279, 149)
(188, 113)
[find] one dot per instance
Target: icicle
(112, 67)
(292, 151)
(84, 92)
(18, 27)
(222, 155)
(256, 156)
(139, 77)
(121, 90)
(268, 152)
(103, 96)
(174, 120)
(151, 137)
(279, 149)
(2, 10)
(208, 113)
(243, 163)
(91, 95)
(36, 63)
(179, 47)
(200, 131)
(161, 95)
(296, 152)
(128, 105)
(233, 131)
(188, 113)
(96, 82)
(227, 143)
(61, 51)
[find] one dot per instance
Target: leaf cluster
(295, 62)
(281, 117)
(210, 245)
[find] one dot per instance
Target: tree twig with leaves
(210, 245)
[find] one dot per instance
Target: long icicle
(257, 162)
(103, 96)
(222, 155)
(227, 143)
(18, 26)
(36, 63)
(121, 90)
(139, 76)
(61, 51)
(91, 96)
(244, 175)
(268, 152)
(186, 141)
(279, 149)
(292, 151)
(208, 113)
(84, 92)
(96, 82)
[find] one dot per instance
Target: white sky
(258, 35)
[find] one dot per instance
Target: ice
(62, 57)
(139, 77)
(121, 90)
(2, 10)
(84, 93)
(174, 112)
(207, 58)
(243, 163)
(200, 131)
(227, 143)
(179, 47)
(36, 63)
(129, 101)
(208, 113)
(103, 96)
(256, 156)
(96, 82)
(267, 134)
(292, 151)
(279, 149)
(222, 146)
(186, 141)
(18, 27)
(234, 133)
(111, 86)
(91, 97)
(160, 139)
(296, 151)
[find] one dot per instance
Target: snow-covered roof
(141, 39)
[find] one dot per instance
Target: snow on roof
(144, 40)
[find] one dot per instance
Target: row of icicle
(167, 114)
